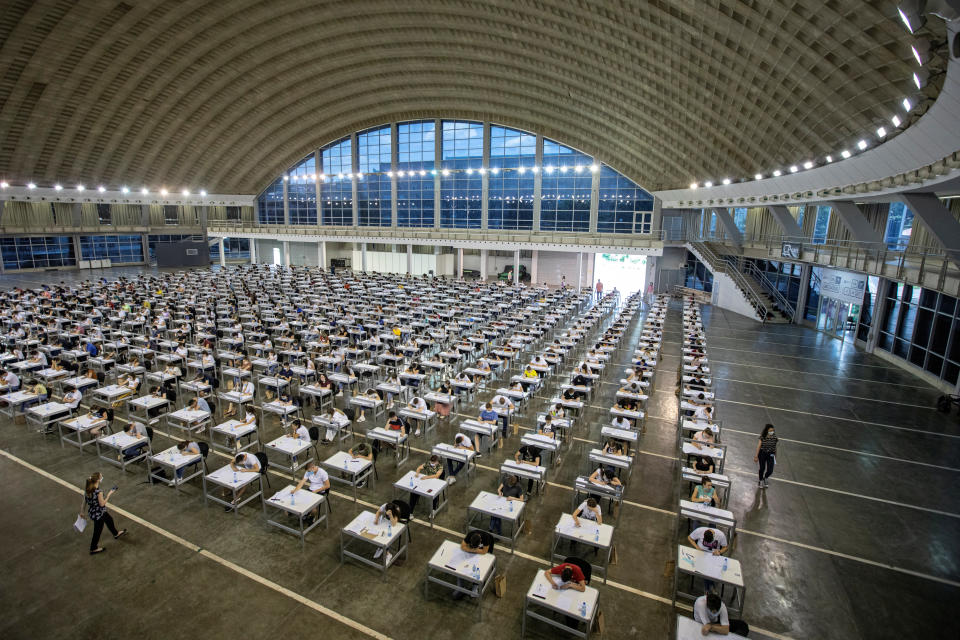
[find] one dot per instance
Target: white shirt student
(619, 422)
(299, 431)
(72, 398)
(501, 404)
(708, 539)
(337, 418)
(588, 510)
(703, 414)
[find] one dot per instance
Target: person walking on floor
(97, 509)
(766, 454)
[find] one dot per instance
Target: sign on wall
(844, 286)
(791, 250)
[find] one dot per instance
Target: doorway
(627, 273)
(277, 260)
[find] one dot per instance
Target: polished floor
(855, 538)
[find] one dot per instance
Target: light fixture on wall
(911, 14)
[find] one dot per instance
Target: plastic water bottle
(411, 481)
(293, 497)
(344, 464)
(583, 609)
(596, 537)
(724, 568)
(389, 528)
(476, 570)
(234, 476)
(510, 503)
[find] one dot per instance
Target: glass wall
(336, 189)
(37, 253)
(565, 189)
(697, 274)
(270, 204)
(373, 188)
(922, 327)
(813, 295)
(899, 226)
(233, 249)
(416, 165)
(119, 249)
(785, 277)
(154, 240)
(868, 308)
(821, 225)
(461, 191)
(302, 192)
(740, 218)
(509, 192)
(623, 206)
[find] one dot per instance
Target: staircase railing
(770, 288)
(719, 265)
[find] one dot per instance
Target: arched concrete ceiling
(225, 94)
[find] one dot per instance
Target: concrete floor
(855, 538)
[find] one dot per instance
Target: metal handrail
(718, 265)
(770, 288)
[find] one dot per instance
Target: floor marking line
(353, 624)
(815, 373)
(829, 393)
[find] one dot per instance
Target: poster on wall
(791, 250)
(844, 286)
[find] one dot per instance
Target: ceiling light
(829, 158)
(911, 13)
(469, 172)
(339, 176)
(522, 170)
(794, 168)
(881, 132)
(693, 185)
(389, 174)
(359, 176)
(534, 169)
(920, 78)
(906, 104)
(481, 170)
(144, 191)
(594, 168)
(563, 169)
(726, 181)
(895, 120)
(808, 165)
(578, 169)
(56, 187)
(31, 185)
(4, 184)
(777, 173)
(432, 172)
(845, 153)
(400, 174)
(80, 187)
(921, 51)
(185, 192)
(101, 188)
(163, 192)
(445, 172)
(285, 178)
(758, 176)
(323, 176)
(124, 189)
(708, 184)
(203, 194)
(494, 171)
(862, 145)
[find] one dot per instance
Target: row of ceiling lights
(911, 13)
(102, 189)
(310, 177)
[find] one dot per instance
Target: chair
(264, 465)
(405, 513)
(583, 564)
(204, 449)
(314, 438)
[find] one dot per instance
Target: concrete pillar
(286, 253)
(144, 241)
(938, 220)
(781, 215)
(533, 268)
(802, 296)
(537, 183)
(485, 186)
(460, 263)
(286, 201)
(322, 255)
(223, 258)
(733, 233)
(579, 270)
(516, 266)
(483, 264)
(253, 251)
(363, 256)
(409, 259)
(854, 220)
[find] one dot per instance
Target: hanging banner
(844, 286)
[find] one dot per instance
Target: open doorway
(277, 260)
(627, 273)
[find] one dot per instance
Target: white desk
(492, 505)
(399, 441)
(234, 482)
(292, 448)
(343, 468)
(589, 533)
(434, 489)
(300, 504)
(473, 570)
(448, 452)
(724, 571)
(580, 606)
(174, 460)
(362, 532)
(116, 444)
(46, 414)
(79, 426)
(188, 419)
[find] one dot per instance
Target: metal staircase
(761, 304)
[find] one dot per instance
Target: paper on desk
(541, 590)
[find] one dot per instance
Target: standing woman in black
(97, 508)
(766, 454)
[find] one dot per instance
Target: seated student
(72, 398)
(245, 390)
(630, 387)
(556, 411)
(703, 465)
(627, 404)
(186, 448)
(172, 370)
(511, 490)
(138, 430)
(286, 373)
(504, 407)
(570, 575)
(607, 477)
(443, 408)
(517, 386)
(318, 482)
(705, 493)
(420, 405)
(181, 350)
(702, 413)
(613, 447)
(707, 435)
(711, 612)
(530, 455)
(429, 470)
(40, 390)
(206, 360)
(547, 428)
(10, 379)
(710, 540)
(635, 375)
(338, 420)
(374, 395)
(571, 394)
(589, 509)
(460, 441)
(530, 372)
(37, 357)
(479, 543)
(391, 512)
(99, 413)
(620, 422)
(199, 403)
(364, 451)
(396, 423)
(297, 430)
(242, 463)
(483, 365)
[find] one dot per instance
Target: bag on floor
(613, 555)
(500, 585)
(527, 527)
(516, 428)
(80, 524)
(601, 623)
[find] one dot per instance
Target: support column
(355, 168)
(853, 219)
(594, 197)
(516, 266)
(459, 263)
(363, 256)
(783, 218)
(485, 184)
(804, 291)
(537, 183)
(394, 154)
(723, 215)
(483, 264)
(938, 220)
(223, 257)
(533, 268)
(409, 259)
(579, 270)
(438, 167)
(286, 200)
(77, 251)
(286, 253)
(879, 310)
(322, 255)
(145, 215)
(253, 251)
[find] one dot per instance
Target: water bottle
(476, 571)
(294, 460)
(596, 537)
(234, 476)
(389, 528)
(583, 609)
(293, 497)
(510, 503)
(411, 481)
(344, 464)
(724, 568)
